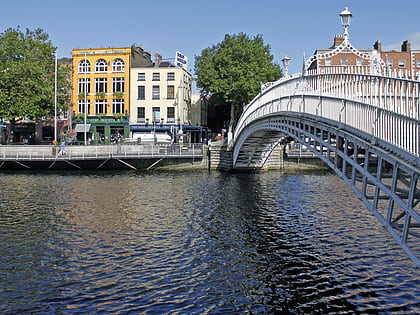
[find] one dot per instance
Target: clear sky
(293, 27)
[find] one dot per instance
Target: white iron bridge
(365, 127)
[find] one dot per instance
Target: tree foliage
(232, 71)
(27, 75)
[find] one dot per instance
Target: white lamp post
(85, 103)
(346, 16)
(286, 61)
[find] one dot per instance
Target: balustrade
(385, 107)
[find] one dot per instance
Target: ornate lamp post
(346, 16)
(286, 61)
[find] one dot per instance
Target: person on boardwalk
(63, 148)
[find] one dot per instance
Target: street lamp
(286, 61)
(346, 16)
(85, 107)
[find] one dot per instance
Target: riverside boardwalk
(96, 157)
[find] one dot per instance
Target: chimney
(158, 59)
(378, 46)
(338, 40)
(406, 46)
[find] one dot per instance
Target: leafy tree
(231, 72)
(27, 75)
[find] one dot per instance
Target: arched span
(366, 128)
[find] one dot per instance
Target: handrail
(386, 107)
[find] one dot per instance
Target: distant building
(404, 63)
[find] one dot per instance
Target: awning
(81, 128)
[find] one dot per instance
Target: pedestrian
(63, 148)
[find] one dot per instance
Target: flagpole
(55, 98)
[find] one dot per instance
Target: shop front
(101, 130)
(22, 133)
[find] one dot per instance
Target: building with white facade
(160, 103)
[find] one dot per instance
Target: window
(171, 76)
(390, 63)
(84, 66)
(401, 63)
(116, 131)
(156, 114)
(100, 85)
(117, 84)
(170, 92)
(141, 76)
(155, 92)
(118, 106)
(156, 76)
(141, 115)
(118, 65)
(344, 62)
(82, 107)
(100, 106)
(359, 62)
(170, 115)
(417, 63)
(84, 86)
(328, 62)
(141, 92)
(101, 66)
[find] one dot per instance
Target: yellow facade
(105, 74)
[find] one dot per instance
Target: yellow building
(101, 90)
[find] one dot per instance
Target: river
(194, 242)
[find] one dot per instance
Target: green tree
(27, 76)
(231, 72)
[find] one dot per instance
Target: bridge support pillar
(221, 158)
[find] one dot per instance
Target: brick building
(342, 54)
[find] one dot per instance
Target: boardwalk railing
(42, 153)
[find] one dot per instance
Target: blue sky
(292, 28)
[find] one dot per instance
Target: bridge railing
(387, 108)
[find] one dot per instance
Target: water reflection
(167, 242)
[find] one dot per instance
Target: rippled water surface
(196, 243)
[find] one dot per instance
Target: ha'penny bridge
(362, 121)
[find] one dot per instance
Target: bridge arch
(365, 127)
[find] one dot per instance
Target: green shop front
(100, 130)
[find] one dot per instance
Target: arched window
(84, 66)
(118, 65)
(101, 66)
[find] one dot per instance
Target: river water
(195, 242)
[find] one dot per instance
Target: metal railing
(387, 108)
(42, 153)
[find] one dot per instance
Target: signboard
(181, 60)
